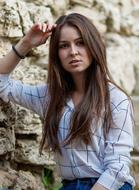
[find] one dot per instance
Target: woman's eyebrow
(63, 41)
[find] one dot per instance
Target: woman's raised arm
(37, 35)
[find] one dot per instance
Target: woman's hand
(98, 186)
(38, 34)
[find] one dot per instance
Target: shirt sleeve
(31, 97)
(119, 144)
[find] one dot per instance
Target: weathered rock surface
(27, 151)
(7, 135)
(21, 180)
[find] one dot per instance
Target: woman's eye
(80, 43)
(63, 46)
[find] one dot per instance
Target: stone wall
(21, 166)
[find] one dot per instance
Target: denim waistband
(92, 180)
(88, 179)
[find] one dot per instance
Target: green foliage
(48, 180)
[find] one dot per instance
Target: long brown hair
(60, 84)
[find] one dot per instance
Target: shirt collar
(70, 104)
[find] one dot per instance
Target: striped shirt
(107, 159)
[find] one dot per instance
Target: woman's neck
(79, 82)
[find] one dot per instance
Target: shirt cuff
(109, 182)
(4, 90)
(3, 79)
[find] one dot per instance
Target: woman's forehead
(68, 32)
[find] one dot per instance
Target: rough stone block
(7, 135)
(27, 151)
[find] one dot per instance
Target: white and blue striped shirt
(107, 159)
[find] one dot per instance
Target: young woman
(88, 119)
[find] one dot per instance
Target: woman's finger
(44, 27)
(50, 27)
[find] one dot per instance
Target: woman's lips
(74, 62)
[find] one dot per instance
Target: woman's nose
(74, 50)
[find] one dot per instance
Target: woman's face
(73, 53)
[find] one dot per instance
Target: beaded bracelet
(17, 53)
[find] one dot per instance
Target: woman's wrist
(17, 53)
(23, 47)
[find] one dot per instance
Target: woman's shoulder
(117, 95)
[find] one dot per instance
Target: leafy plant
(48, 180)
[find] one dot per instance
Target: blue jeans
(86, 184)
